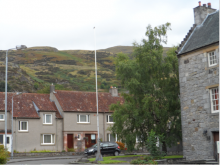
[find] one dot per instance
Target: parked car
(105, 147)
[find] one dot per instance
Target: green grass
(108, 159)
(41, 151)
(173, 156)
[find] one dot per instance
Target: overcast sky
(68, 24)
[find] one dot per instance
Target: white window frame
(3, 117)
(214, 56)
(108, 116)
(211, 100)
(20, 128)
(109, 137)
(44, 116)
(52, 136)
(87, 118)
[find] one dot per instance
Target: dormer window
(47, 119)
(212, 58)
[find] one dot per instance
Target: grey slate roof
(205, 34)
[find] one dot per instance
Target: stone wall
(196, 78)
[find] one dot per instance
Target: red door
(69, 140)
(90, 140)
(215, 139)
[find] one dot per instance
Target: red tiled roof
(85, 101)
(23, 104)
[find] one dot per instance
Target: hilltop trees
(152, 81)
(2, 87)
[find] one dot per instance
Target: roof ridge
(179, 48)
(80, 91)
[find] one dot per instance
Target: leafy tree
(2, 87)
(152, 81)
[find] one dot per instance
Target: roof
(76, 101)
(24, 104)
(203, 35)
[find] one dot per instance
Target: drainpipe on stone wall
(104, 126)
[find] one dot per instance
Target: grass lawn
(173, 156)
(108, 159)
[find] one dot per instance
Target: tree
(152, 81)
(2, 87)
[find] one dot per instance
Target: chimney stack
(113, 91)
(200, 12)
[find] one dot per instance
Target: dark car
(105, 147)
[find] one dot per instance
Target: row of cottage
(56, 121)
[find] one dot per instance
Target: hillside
(35, 68)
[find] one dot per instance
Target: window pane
(48, 119)
(82, 118)
(1, 116)
(93, 137)
(8, 140)
(23, 125)
(1, 139)
(110, 118)
(47, 138)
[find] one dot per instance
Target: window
(79, 137)
(212, 58)
(47, 119)
(93, 138)
(2, 117)
(214, 100)
(83, 119)
(47, 139)
(109, 118)
(23, 126)
(111, 138)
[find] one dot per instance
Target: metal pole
(12, 129)
(98, 156)
(6, 72)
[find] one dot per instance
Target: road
(45, 160)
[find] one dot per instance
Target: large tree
(153, 84)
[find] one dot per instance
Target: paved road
(44, 160)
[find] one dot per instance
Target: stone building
(198, 57)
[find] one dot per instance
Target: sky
(68, 24)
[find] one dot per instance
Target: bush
(36, 85)
(144, 160)
(121, 145)
(70, 150)
(4, 155)
(151, 145)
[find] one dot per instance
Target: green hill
(35, 68)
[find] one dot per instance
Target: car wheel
(116, 153)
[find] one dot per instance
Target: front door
(90, 140)
(215, 139)
(2, 141)
(69, 140)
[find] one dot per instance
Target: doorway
(215, 139)
(90, 140)
(69, 140)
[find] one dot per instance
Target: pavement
(77, 158)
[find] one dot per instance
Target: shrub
(70, 150)
(63, 151)
(4, 155)
(144, 160)
(121, 145)
(151, 145)
(36, 85)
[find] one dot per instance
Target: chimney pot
(204, 5)
(199, 3)
(209, 5)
